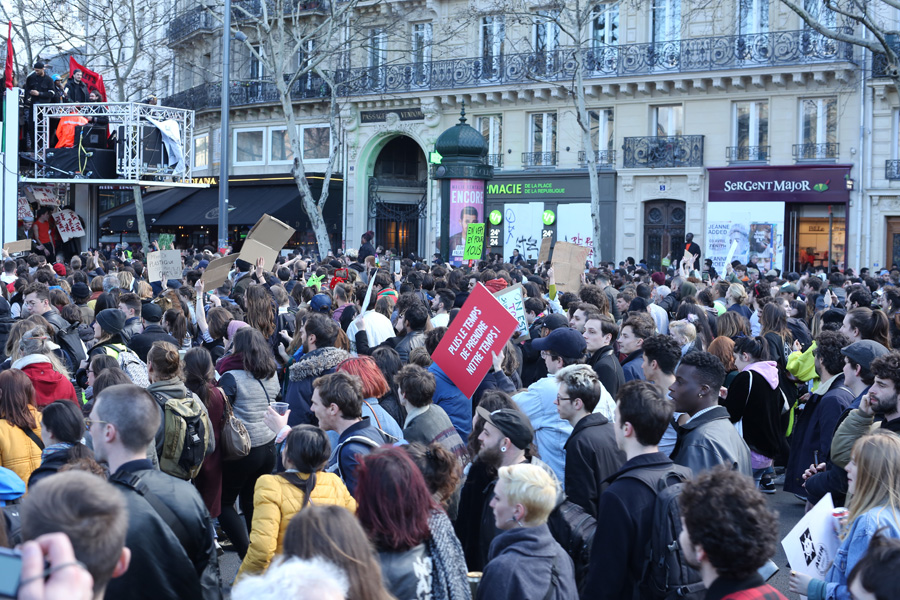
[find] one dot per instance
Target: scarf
(54, 448)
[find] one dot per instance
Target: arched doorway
(398, 195)
(663, 230)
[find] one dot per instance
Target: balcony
(192, 21)
(816, 152)
(880, 66)
(892, 169)
(663, 152)
(494, 160)
(605, 159)
(539, 159)
(735, 154)
(250, 9)
(696, 55)
(246, 93)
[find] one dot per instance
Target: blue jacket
(633, 366)
(852, 549)
(298, 388)
(519, 566)
(550, 432)
(449, 397)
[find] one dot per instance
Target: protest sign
(481, 329)
(568, 265)
(68, 224)
(166, 241)
(16, 247)
(41, 194)
(474, 241)
(544, 255)
(24, 210)
(368, 298)
(466, 207)
(217, 272)
(164, 265)
(265, 240)
(812, 544)
(513, 300)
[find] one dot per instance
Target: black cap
(151, 313)
(512, 423)
(38, 65)
(81, 290)
(864, 352)
(555, 321)
(565, 342)
(111, 320)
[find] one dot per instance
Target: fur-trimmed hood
(317, 362)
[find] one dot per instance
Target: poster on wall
(522, 229)
(757, 227)
(574, 225)
(466, 206)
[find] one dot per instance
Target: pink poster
(466, 206)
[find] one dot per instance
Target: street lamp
(224, 137)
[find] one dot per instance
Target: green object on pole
(435, 158)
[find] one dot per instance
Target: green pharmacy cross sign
(548, 217)
(496, 217)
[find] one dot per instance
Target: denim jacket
(851, 551)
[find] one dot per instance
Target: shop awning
(246, 205)
(155, 204)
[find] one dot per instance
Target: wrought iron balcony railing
(494, 160)
(655, 152)
(880, 66)
(827, 151)
(244, 93)
(892, 169)
(748, 153)
(190, 22)
(248, 9)
(539, 159)
(605, 159)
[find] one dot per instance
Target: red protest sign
(481, 329)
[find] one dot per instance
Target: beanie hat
(111, 320)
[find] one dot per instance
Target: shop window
(316, 142)
(605, 25)
(201, 151)
(248, 146)
(668, 120)
(750, 131)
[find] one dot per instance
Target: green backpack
(187, 436)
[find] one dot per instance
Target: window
(754, 17)
(818, 127)
(493, 31)
(822, 14)
(421, 43)
(543, 132)
(377, 48)
(491, 127)
(602, 130)
(666, 16)
(545, 31)
(248, 146)
(257, 68)
(201, 151)
(605, 25)
(316, 142)
(280, 146)
(668, 120)
(751, 130)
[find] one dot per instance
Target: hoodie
(520, 566)
(49, 384)
(298, 388)
(755, 401)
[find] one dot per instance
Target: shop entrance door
(663, 230)
(893, 242)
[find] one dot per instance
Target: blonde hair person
(684, 333)
(736, 294)
(531, 493)
(144, 290)
(126, 280)
(873, 477)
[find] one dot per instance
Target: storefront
(524, 208)
(782, 217)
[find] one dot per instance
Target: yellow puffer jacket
(18, 452)
(275, 502)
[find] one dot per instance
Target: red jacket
(49, 385)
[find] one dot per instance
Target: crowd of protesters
(293, 415)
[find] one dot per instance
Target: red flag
(93, 81)
(8, 71)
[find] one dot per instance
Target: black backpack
(71, 345)
(666, 575)
(573, 528)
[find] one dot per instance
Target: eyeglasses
(88, 423)
(559, 398)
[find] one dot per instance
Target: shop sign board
(792, 184)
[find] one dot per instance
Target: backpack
(573, 528)
(666, 575)
(336, 467)
(69, 341)
(186, 436)
(129, 362)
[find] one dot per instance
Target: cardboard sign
(24, 210)
(513, 300)
(41, 194)
(266, 240)
(812, 544)
(217, 272)
(18, 246)
(568, 265)
(482, 328)
(68, 224)
(474, 241)
(164, 265)
(544, 255)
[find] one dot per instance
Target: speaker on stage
(93, 163)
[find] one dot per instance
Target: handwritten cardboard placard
(474, 241)
(265, 240)
(217, 272)
(41, 194)
(481, 329)
(17, 246)
(164, 265)
(68, 224)
(544, 255)
(568, 265)
(24, 210)
(513, 300)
